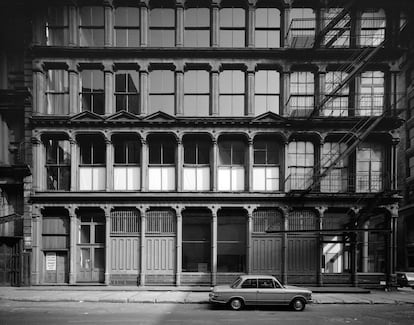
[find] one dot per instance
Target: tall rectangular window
(232, 27)
(92, 164)
(196, 93)
(57, 92)
(92, 26)
(369, 168)
(58, 164)
(127, 164)
(161, 168)
(338, 35)
(267, 91)
(196, 172)
(127, 22)
(338, 103)
(231, 166)
(161, 91)
(197, 27)
(57, 26)
(92, 91)
(371, 97)
(231, 243)
(196, 243)
(162, 27)
(300, 164)
(301, 32)
(373, 23)
(267, 31)
(302, 87)
(126, 91)
(336, 180)
(266, 166)
(232, 93)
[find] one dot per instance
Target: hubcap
(298, 304)
(236, 304)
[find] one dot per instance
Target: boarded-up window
(55, 232)
(302, 220)
(267, 220)
(125, 221)
(160, 222)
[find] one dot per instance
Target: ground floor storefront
(188, 244)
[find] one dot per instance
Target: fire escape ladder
(319, 37)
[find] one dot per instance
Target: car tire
(236, 304)
(298, 304)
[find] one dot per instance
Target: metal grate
(160, 222)
(267, 220)
(125, 221)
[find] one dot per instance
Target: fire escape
(334, 34)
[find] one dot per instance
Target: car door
(269, 292)
(248, 291)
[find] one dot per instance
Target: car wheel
(236, 304)
(298, 304)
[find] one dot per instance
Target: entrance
(9, 262)
(91, 249)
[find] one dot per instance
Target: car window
(236, 283)
(266, 283)
(249, 283)
(276, 284)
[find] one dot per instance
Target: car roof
(256, 276)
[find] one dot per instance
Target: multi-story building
(184, 142)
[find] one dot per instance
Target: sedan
(405, 279)
(260, 290)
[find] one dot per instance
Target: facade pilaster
(250, 91)
(215, 23)
(179, 168)
(249, 243)
(107, 210)
(251, 23)
(320, 88)
(250, 165)
(214, 165)
(73, 26)
(321, 214)
(37, 163)
(109, 89)
(143, 252)
(143, 76)
(36, 246)
(285, 90)
(73, 74)
(214, 91)
(179, 18)
(214, 246)
(74, 163)
(39, 90)
(109, 23)
(179, 90)
(179, 247)
(72, 244)
(109, 164)
(144, 165)
(144, 23)
(285, 228)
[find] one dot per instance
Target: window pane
(99, 234)
(85, 234)
(127, 16)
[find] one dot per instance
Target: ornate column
(321, 212)
(285, 227)
(73, 26)
(179, 168)
(214, 165)
(286, 170)
(320, 88)
(354, 255)
(107, 210)
(143, 252)
(179, 21)
(36, 263)
(214, 91)
(250, 91)
(285, 90)
(251, 24)
(109, 89)
(394, 163)
(74, 101)
(109, 23)
(214, 246)
(215, 23)
(285, 21)
(143, 91)
(37, 161)
(144, 165)
(144, 23)
(392, 243)
(72, 244)
(365, 253)
(74, 165)
(179, 90)
(109, 164)
(179, 246)
(249, 243)
(39, 90)
(250, 165)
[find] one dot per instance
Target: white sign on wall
(50, 261)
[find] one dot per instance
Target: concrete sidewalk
(182, 295)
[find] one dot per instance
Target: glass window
(197, 27)
(196, 243)
(337, 104)
(373, 24)
(162, 27)
(161, 92)
(267, 31)
(301, 101)
(267, 91)
(301, 32)
(127, 158)
(371, 101)
(58, 164)
(339, 34)
(127, 22)
(336, 256)
(162, 152)
(231, 166)
(57, 26)
(336, 180)
(127, 151)
(92, 151)
(369, 168)
(127, 91)
(92, 91)
(232, 93)
(266, 165)
(300, 162)
(196, 93)
(232, 27)
(231, 243)
(92, 26)
(57, 92)
(196, 172)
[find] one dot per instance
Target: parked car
(260, 290)
(405, 279)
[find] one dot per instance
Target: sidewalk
(182, 295)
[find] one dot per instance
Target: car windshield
(236, 283)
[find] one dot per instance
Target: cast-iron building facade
(185, 142)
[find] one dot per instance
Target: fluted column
(72, 245)
(285, 90)
(285, 225)
(107, 210)
(250, 158)
(36, 246)
(74, 165)
(321, 212)
(214, 247)
(214, 92)
(249, 243)
(214, 165)
(144, 165)
(215, 23)
(73, 25)
(38, 167)
(109, 165)
(250, 92)
(179, 22)
(143, 75)
(143, 252)
(179, 247)
(39, 89)
(109, 89)
(109, 23)
(251, 24)
(179, 167)
(179, 91)
(74, 102)
(144, 23)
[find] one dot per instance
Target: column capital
(179, 3)
(35, 140)
(108, 67)
(214, 210)
(322, 68)
(285, 210)
(321, 210)
(37, 66)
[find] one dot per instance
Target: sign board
(50, 261)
